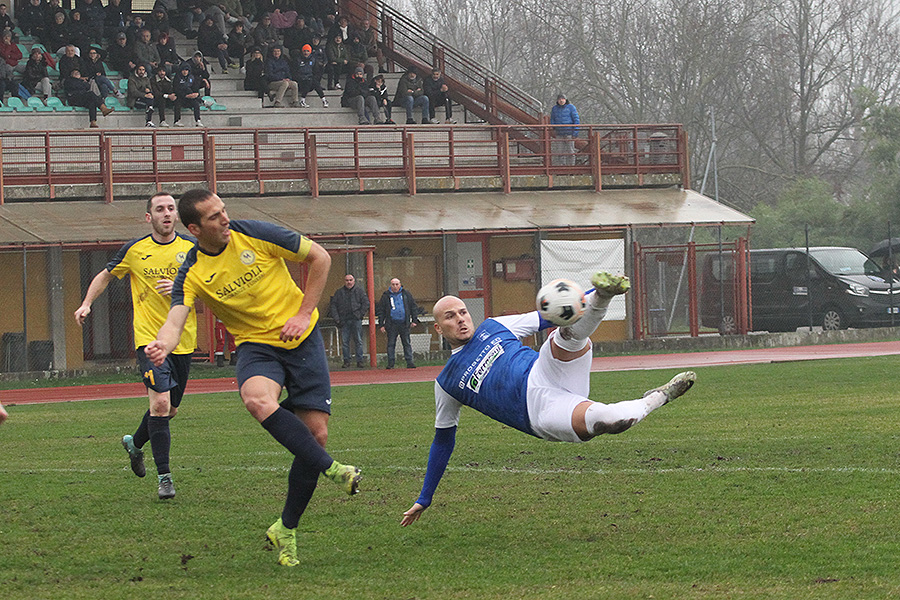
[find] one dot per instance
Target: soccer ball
(561, 302)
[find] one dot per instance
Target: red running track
(370, 376)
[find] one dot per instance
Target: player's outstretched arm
(97, 287)
(169, 335)
(438, 457)
(319, 262)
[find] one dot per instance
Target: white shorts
(555, 388)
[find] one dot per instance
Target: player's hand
(82, 313)
(156, 352)
(294, 328)
(413, 514)
(164, 286)
(413, 324)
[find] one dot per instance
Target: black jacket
(348, 305)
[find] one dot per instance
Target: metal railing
(474, 86)
(38, 163)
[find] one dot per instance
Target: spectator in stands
(70, 61)
(297, 36)
(6, 80)
(114, 21)
(57, 34)
(92, 12)
(369, 38)
(357, 52)
(191, 16)
(163, 94)
(33, 19)
(200, 70)
(158, 21)
(78, 93)
(81, 32)
(186, 89)
(121, 56)
(255, 76)
(212, 42)
(338, 61)
(140, 93)
(134, 28)
(308, 76)
(341, 27)
(278, 72)
(168, 53)
(239, 42)
(564, 113)
(6, 22)
(36, 78)
(283, 21)
(145, 49)
(356, 96)
(438, 95)
(264, 35)
(382, 97)
(93, 69)
(226, 13)
(410, 94)
(9, 51)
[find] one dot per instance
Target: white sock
(574, 337)
(616, 418)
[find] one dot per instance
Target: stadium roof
(382, 214)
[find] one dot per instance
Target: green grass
(765, 481)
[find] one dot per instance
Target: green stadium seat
(123, 85)
(56, 104)
(5, 108)
(116, 104)
(213, 105)
(18, 105)
(38, 105)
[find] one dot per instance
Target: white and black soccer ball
(561, 302)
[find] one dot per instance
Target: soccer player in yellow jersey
(238, 269)
(153, 262)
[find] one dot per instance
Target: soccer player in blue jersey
(238, 269)
(152, 262)
(541, 393)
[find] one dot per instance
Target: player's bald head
(445, 303)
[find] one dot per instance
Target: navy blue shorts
(302, 371)
(171, 376)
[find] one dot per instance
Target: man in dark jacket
(397, 312)
(356, 95)
(78, 93)
(438, 93)
(411, 94)
(348, 307)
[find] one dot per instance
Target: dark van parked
(847, 288)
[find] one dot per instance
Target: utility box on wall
(515, 269)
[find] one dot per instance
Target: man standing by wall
(349, 305)
(397, 312)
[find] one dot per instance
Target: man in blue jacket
(397, 312)
(564, 113)
(278, 70)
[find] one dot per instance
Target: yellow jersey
(147, 261)
(248, 285)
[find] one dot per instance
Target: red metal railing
(208, 157)
(481, 91)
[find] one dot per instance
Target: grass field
(772, 481)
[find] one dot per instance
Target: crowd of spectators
(282, 54)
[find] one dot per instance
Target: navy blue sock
(302, 481)
(293, 434)
(142, 435)
(160, 441)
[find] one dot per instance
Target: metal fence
(38, 164)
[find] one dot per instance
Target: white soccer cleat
(676, 387)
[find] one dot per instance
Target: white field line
(715, 470)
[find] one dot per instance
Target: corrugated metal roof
(85, 222)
